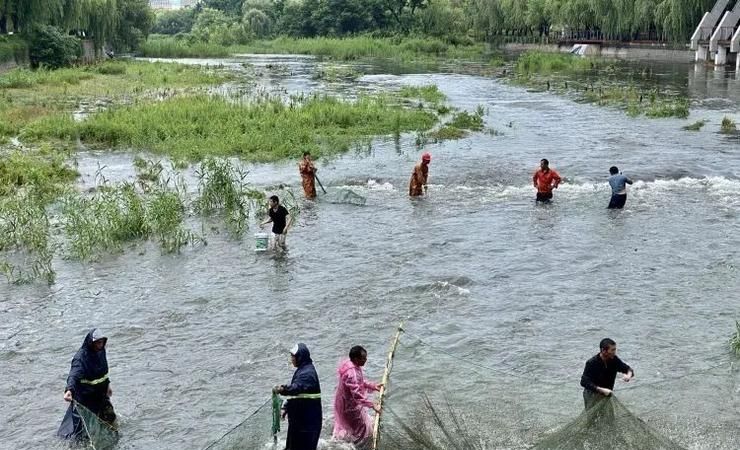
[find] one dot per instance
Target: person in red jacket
(545, 180)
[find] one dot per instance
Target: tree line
(53, 27)
(239, 20)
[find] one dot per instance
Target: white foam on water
(375, 186)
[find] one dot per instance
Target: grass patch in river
(342, 49)
(696, 126)
(429, 93)
(596, 81)
(28, 95)
(265, 130)
(728, 126)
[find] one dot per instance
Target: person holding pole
(308, 173)
(352, 423)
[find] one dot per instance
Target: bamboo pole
(384, 381)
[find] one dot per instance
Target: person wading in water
(545, 180)
(308, 175)
(420, 176)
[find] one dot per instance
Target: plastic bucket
(261, 242)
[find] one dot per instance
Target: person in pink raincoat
(352, 423)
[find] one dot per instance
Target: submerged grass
(266, 130)
(696, 126)
(595, 81)
(459, 126)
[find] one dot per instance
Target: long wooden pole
(384, 381)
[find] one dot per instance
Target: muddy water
(196, 340)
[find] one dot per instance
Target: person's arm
(412, 182)
(622, 367)
(534, 180)
(288, 223)
(269, 220)
(298, 386)
(628, 180)
(73, 379)
(555, 179)
(357, 389)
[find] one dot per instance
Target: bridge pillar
(701, 53)
(720, 59)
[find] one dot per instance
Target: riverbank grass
(735, 341)
(728, 125)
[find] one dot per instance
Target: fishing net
(437, 400)
(344, 196)
(260, 430)
(101, 435)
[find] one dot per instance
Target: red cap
(426, 156)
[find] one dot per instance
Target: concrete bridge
(717, 38)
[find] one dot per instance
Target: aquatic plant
(43, 170)
(696, 126)
(344, 49)
(223, 190)
(532, 62)
(336, 73)
(728, 125)
(26, 250)
(429, 93)
(735, 340)
(264, 130)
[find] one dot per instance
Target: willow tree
(19, 15)
(96, 18)
(677, 19)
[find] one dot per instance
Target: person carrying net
(600, 373)
(303, 407)
(87, 384)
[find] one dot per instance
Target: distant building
(165, 4)
(188, 3)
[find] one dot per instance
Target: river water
(476, 268)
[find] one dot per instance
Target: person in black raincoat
(88, 385)
(304, 402)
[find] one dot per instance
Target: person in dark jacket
(600, 373)
(88, 385)
(303, 407)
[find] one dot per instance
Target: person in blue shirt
(619, 183)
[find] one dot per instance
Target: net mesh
(344, 196)
(101, 435)
(437, 400)
(258, 431)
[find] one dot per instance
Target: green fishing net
(101, 435)
(344, 196)
(258, 431)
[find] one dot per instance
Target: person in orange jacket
(308, 175)
(419, 177)
(545, 180)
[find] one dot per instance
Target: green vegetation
(50, 26)
(595, 81)
(223, 191)
(735, 341)
(42, 172)
(110, 217)
(31, 95)
(728, 126)
(340, 49)
(535, 62)
(461, 123)
(13, 48)
(429, 93)
(696, 126)
(267, 130)
(336, 73)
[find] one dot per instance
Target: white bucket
(261, 242)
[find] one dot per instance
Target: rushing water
(476, 267)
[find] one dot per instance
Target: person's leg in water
(617, 201)
(544, 197)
